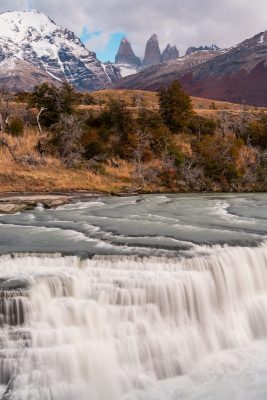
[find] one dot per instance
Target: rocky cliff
(152, 52)
(126, 54)
(169, 53)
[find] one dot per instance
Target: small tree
(51, 102)
(175, 106)
(4, 108)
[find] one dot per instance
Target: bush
(93, 145)
(201, 125)
(88, 99)
(177, 155)
(16, 127)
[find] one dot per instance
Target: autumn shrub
(16, 126)
(93, 145)
(256, 133)
(219, 157)
(200, 125)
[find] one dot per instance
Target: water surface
(157, 297)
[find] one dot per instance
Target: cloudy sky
(102, 23)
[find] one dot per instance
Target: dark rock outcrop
(169, 53)
(152, 52)
(113, 72)
(126, 54)
(191, 50)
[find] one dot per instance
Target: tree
(175, 107)
(51, 102)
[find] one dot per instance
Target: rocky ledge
(12, 204)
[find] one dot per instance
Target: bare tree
(4, 108)
(142, 143)
(38, 118)
(224, 122)
(66, 139)
(241, 124)
(4, 143)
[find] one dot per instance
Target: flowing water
(141, 298)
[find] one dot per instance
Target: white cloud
(181, 22)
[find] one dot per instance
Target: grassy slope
(52, 176)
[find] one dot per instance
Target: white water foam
(130, 328)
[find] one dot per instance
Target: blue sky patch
(109, 51)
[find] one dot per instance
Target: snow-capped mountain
(34, 40)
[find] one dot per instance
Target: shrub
(201, 125)
(16, 126)
(88, 99)
(177, 155)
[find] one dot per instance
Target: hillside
(153, 78)
(34, 172)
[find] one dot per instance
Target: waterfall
(112, 328)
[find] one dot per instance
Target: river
(159, 297)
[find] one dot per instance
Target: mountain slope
(239, 75)
(19, 75)
(58, 53)
(153, 78)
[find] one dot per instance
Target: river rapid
(160, 297)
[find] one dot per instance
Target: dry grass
(201, 106)
(51, 174)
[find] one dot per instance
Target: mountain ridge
(35, 38)
(238, 74)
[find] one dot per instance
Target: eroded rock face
(126, 54)
(113, 72)
(192, 50)
(152, 52)
(169, 53)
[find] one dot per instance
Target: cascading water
(134, 328)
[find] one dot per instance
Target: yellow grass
(201, 106)
(51, 175)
